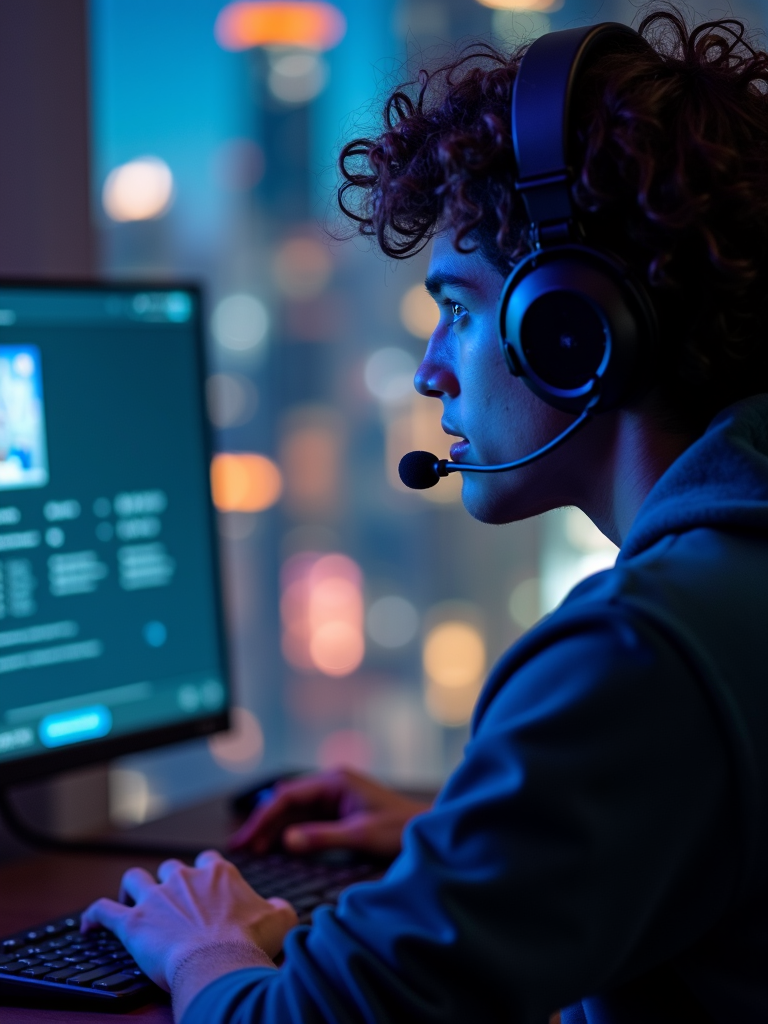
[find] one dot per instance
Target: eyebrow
(436, 282)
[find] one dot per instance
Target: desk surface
(42, 886)
(39, 887)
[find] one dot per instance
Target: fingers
(169, 867)
(293, 801)
(288, 917)
(105, 913)
(353, 832)
(281, 904)
(207, 858)
(135, 884)
(276, 925)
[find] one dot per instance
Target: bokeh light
(573, 549)
(454, 654)
(418, 312)
(311, 25)
(296, 78)
(523, 5)
(583, 535)
(346, 748)
(392, 621)
(139, 190)
(322, 613)
(245, 482)
(336, 647)
(240, 322)
(525, 603)
(453, 657)
(231, 399)
(310, 457)
(419, 429)
(450, 706)
(389, 374)
(131, 799)
(302, 268)
(242, 747)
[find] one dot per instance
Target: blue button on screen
(75, 726)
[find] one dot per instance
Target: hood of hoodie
(720, 482)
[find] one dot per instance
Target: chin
(504, 497)
(490, 503)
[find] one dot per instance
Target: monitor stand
(181, 833)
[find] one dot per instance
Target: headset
(575, 324)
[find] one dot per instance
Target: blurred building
(362, 618)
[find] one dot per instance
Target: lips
(458, 448)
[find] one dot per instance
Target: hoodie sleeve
(584, 838)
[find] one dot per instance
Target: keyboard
(54, 965)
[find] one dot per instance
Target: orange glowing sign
(306, 24)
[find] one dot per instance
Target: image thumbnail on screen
(23, 453)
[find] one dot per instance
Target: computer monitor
(111, 637)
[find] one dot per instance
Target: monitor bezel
(39, 766)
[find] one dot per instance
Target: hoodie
(603, 846)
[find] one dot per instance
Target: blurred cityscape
(362, 618)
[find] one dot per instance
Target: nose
(435, 377)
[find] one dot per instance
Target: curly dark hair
(671, 153)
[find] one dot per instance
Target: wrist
(192, 970)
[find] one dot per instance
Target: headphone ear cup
(573, 324)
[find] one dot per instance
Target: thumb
(322, 835)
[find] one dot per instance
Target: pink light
(346, 748)
(322, 613)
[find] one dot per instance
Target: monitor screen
(110, 626)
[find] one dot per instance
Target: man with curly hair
(603, 846)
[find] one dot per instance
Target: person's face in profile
(495, 417)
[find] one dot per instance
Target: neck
(639, 452)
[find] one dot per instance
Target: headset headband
(541, 103)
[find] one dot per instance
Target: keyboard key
(36, 972)
(115, 982)
(56, 965)
(99, 961)
(14, 968)
(61, 975)
(13, 943)
(30, 961)
(90, 976)
(87, 965)
(9, 958)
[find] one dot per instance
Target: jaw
(496, 499)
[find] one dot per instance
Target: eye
(457, 311)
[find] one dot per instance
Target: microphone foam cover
(418, 470)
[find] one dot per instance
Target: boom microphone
(420, 470)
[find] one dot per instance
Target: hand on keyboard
(209, 907)
(338, 808)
